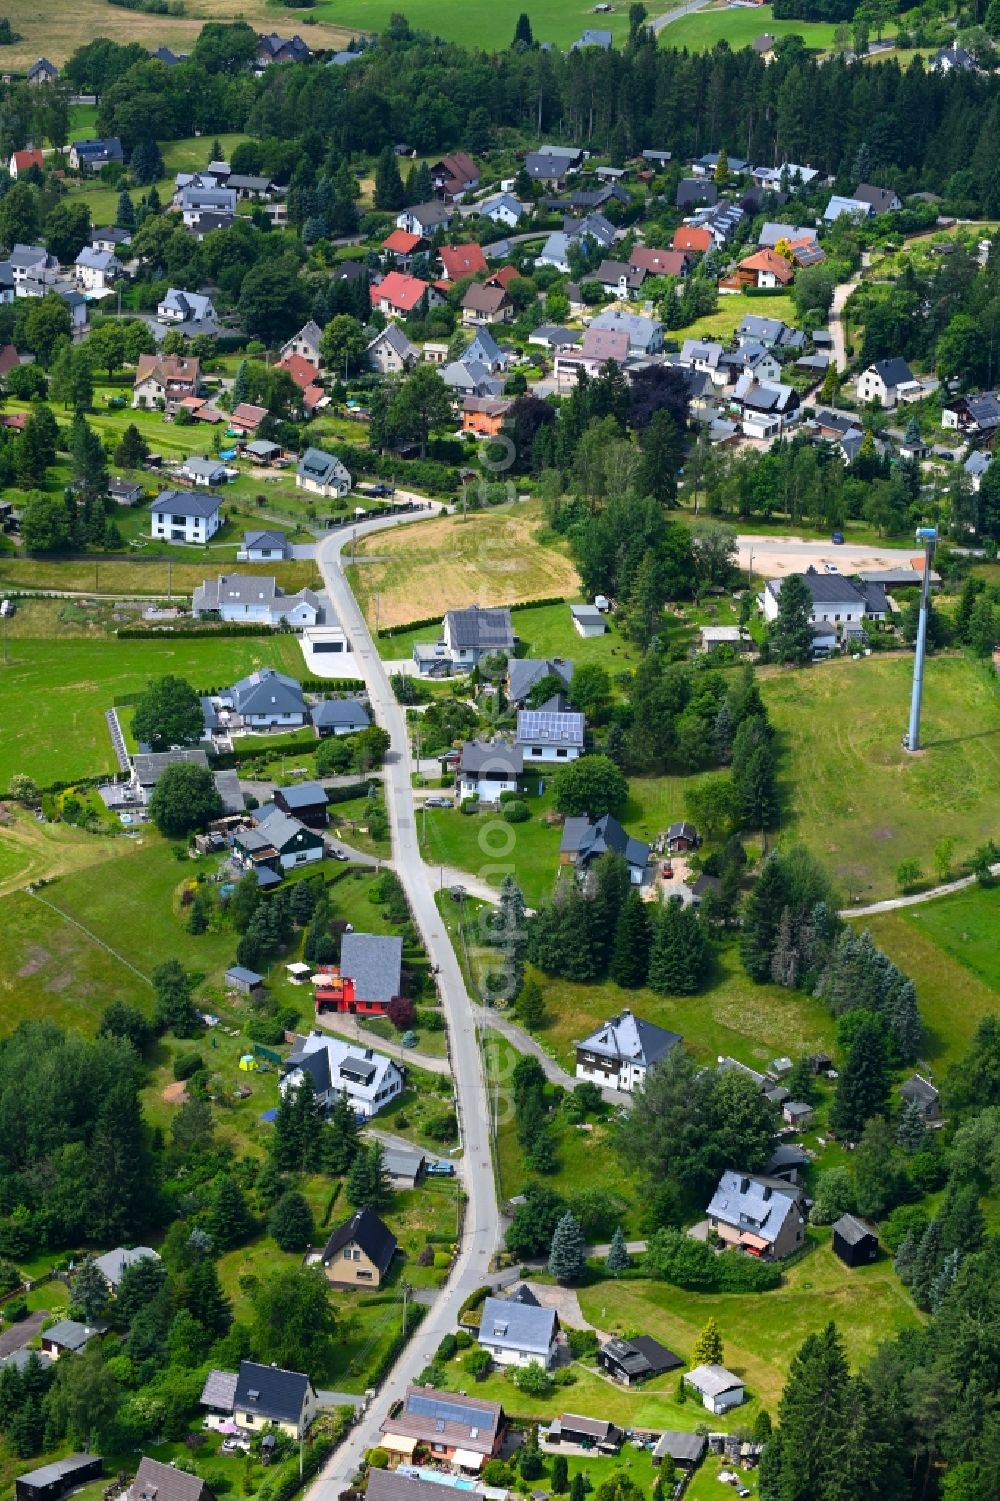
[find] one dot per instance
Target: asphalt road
(482, 1224)
(775, 556)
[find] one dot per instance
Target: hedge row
(523, 604)
(348, 793)
(186, 632)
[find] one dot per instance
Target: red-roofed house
(483, 304)
(302, 371)
(400, 294)
(403, 246)
(462, 260)
(690, 237)
(503, 277)
(765, 268)
(660, 262)
(247, 418)
(21, 161)
(807, 252)
(9, 359)
(312, 397)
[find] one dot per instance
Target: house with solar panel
(458, 1430)
(551, 734)
(370, 1080)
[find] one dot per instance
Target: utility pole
(928, 536)
(170, 565)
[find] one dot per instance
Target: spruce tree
(812, 1418)
(630, 951)
(125, 214)
(785, 954)
(560, 1475)
(926, 1264)
(390, 194)
(708, 1349)
(241, 384)
(905, 1258)
(618, 1257)
(912, 1132)
(578, 1487)
(791, 632)
(863, 1085)
(230, 1221)
(761, 918)
(90, 1291)
(904, 1021)
(568, 1255)
(941, 1285)
(723, 732)
(205, 1299)
(341, 1138)
(523, 36)
(530, 1006)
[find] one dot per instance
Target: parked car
(837, 539)
(438, 802)
(441, 1169)
(830, 568)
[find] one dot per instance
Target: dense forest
(922, 129)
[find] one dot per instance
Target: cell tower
(928, 536)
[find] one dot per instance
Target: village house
(920, 1091)
(888, 382)
(619, 1053)
(339, 716)
(765, 268)
(424, 218)
(42, 72)
(273, 48)
(95, 270)
(763, 1216)
(645, 335)
(156, 1481)
(306, 801)
(398, 295)
(265, 700)
(881, 200)
(390, 352)
(22, 162)
(488, 768)
(484, 415)
(370, 1080)
(114, 1264)
(181, 516)
(124, 492)
(264, 547)
(632, 1361)
(502, 208)
(660, 262)
(305, 343)
(68, 1337)
(718, 1388)
(165, 379)
(91, 156)
(186, 307)
(359, 1251)
(584, 841)
(976, 415)
(836, 600)
(550, 734)
(483, 304)
(852, 208)
(268, 1394)
(462, 260)
(292, 843)
(401, 247)
(454, 176)
(255, 598)
(518, 1334)
(525, 673)
(458, 1430)
(369, 975)
(322, 474)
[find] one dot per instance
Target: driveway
(16, 1336)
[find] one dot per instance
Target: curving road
(482, 1223)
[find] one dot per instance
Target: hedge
(522, 604)
(193, 632)
(348, 793)
(277, 745)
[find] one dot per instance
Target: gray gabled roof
(275, 1394)
(303, 795)
(589, 840)
(480, 755)
(523, 673)
(517, 1326)
(541, 727)
(156, 1481)
(374, 963)
(282, 830)
(219, 1390)
(713, 1380)
(334, 713)
(185, 503)
(630, 1039)
(70, 1335)
(894, 372)
(482, 628)
(851, 1229)
(319, 466)
(267, 692)
(753, 1203)
(113, 1264)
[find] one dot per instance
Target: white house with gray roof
(114, 1264)
(181, 516)
(518, 1334)
(552, 733)
(619, 1053)
(264, 547)
(370, 1080)
(322, 474)
(477, 632)
(391, 352)
(645, 335)
(266, 699)
(718, 1388)
(186, 307)
(95, 270)
(255, 599)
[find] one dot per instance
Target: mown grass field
(949, 947)
(488, 27)
(851, 793)
(488, 558)
(702, 30)
(734, 307)
(53, 694)
(762, 1333)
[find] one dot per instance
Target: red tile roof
(503, 277)
(769, 260)
(659, 262)
(302, 371)
(691, 238)
(401, 242)
(25, 159)
(462, 260)
(402, 292)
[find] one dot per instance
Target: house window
(364, 1276)
(561, 752)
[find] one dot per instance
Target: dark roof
(523, 1294)
(366, 1230)
(276, 1394)
(240, 972)
(219, 1390)
(480, 756)
(825, 588)
(374, 963)
(851, 1229)
(642, 1356)
(448, 1418)
(919, 1088)
(303, 795)
(588, 840)
(481, 629)
(895, 372)
(684, 1447)
(156, 1481)
(186, 503)
(337, 712)
(391, 1485)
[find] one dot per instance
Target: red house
(368, 977)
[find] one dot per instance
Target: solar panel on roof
(431, 1407)
(358, 1073)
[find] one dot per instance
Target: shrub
(582, 1343)
(478, 1363)
(442, 1127)
(469, 805)
(447, 1349)
(516, 812)
(187, 1064)
(15, 1310)
(377, 1459)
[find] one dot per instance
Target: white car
(830, 568)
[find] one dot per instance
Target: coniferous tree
(205, 1299)
(568, 1255)
(390, 194)
(630, 952)
(367, 1180)
(876, 1176)
(522, 31)
(761, 919)
(90, 1290)
(785, 954)
(618, 1258)
(791, 632)
(926, 1264)
(904, 1021)
(942, 1283)
(230, 1221)
(813, 1417)
(905, 1258)
(912, 1132)
(125, 214)
(863, 1085)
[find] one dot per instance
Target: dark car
(837, 539)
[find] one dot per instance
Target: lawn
(30, 850)
(157, 577)
(734, 307)
(739, 25)
(69, 685)
(491, 29)
(487, 558)
(761, 1333)
(851, 793)
(542, 630)
(486, 846)
(949, 948)
(754, 1023)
